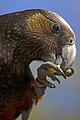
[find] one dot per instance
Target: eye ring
(55, 27)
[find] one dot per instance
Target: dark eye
(55, 28)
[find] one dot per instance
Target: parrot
(25, 36)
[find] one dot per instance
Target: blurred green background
(63, 102)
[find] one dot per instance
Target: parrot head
(53, 37)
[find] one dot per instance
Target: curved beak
(68, 56)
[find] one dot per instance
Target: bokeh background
(62, 103)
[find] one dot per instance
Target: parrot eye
(55, 28)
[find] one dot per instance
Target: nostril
(71, 40)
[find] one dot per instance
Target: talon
(53, 77)
(53, 86)
(58, 81)
(62, 73)
(50, 85)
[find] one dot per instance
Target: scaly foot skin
(44, 70)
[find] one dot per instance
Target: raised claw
(43, 72)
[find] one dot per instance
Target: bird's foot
(51, 70)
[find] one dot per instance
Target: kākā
(26, 36)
